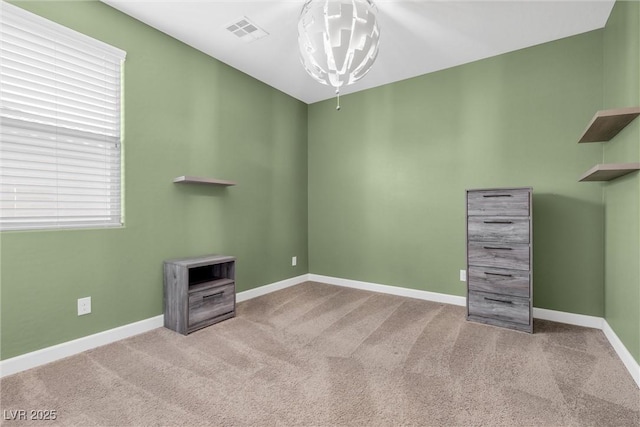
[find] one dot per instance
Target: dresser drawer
(502, 307)
(512, 202)
(498, 229)
(500, 281)
(513, 256)
(210, 303)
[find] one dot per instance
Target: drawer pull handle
(498, 222)
(217, 294)
(498, 274)
(497, 248)
(496, 195)
(498, 300)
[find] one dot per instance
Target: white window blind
(60, 137)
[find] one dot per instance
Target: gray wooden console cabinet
(499, 257)
(198, 292)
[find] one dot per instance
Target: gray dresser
(499, 257)
(198, 292)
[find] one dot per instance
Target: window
(60, 135)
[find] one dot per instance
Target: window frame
(79, 207)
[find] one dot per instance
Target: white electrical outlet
(294, 261)
(463, 275)
(84, 306)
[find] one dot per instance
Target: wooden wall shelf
(607, 123)
(609, 171)
(199, 180)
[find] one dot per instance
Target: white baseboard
(627, 359)
(66, 349)
(266, 289)
(569, 318)
(597, 323)
(69, 348)
(393, 290)
(539, 313)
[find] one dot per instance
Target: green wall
(185, 114)
(622, 196)
(388, 173)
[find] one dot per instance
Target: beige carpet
(322, 355)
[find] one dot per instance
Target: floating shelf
(609, 171)
(199, 180)
(607, 123)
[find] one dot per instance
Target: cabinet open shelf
(209, 284)
(608, 123)
(609, 171)
(200, 180)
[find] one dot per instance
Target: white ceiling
(417, 37)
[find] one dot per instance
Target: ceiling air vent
(246, 30)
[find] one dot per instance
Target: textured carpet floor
(322, 355)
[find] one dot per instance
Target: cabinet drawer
(500, 281)
(513, 202)
(503, 307)
(498, 229)
(209, 303)
(501, 255)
